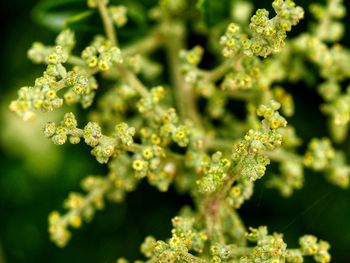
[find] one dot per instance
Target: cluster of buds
(118, 15)
(319, 154)
(65, 42)
(272, 119)
(39, 97)
(238, 80)
(332, 61)
(79, 208)
(241, 83)
(249, 154)
(125, 134)
(59, 134)
(338, 172)
(338, 109)
(286, 101)
(190, 60)
(121, 176)
(103, 146)
(163, 177)
(170, 130)
(233, 41)
(269, 248)
(79, 82)
(310, 246)
(268, 35)
(101, 54)
(333, 30)
(185, 237)
(215, 173)
(241, 191)
(148, 163)
(151, 101)
(81, 88)
(292, 177)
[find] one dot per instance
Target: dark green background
(28, 192)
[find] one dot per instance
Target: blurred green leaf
(214, 11)
(53, 14)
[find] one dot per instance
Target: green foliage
(163, 134)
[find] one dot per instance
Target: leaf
(214, 11)
(53, 14)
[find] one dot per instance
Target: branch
(107, 22)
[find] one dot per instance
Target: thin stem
(218, 144)
(107, 22)
(77, 61)
(283, 155)
(218, 72)
(183, 91)
(145, 45)
(133, 80)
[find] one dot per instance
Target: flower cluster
(191, 59)
(214, 173)
(79, 81)
(332, 30)
(185, 132)
(59, 134)
(292, 177)
(338, 109)
(118, 14)
(241, 191)
(321, 156)
(80, 208)
(249, 154)
(101, 55)
(320, 153)
(267, 35)
(319, 250)
(185, 237)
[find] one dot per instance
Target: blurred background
(36, 176)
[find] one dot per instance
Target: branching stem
(107, 22)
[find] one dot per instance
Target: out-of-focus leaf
(137, 19)
(214, 11)
(82, 21)
(53, 14)
(57, 14)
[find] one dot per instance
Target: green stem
(133, 80)
(77, 61)
(183, 91)
(283, 155)
(218, 72)
(145, 45)
(107, 22)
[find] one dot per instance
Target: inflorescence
(157, 132)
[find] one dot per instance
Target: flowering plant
(182, 131)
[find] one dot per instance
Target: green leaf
(53, 14)
(214, 11)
